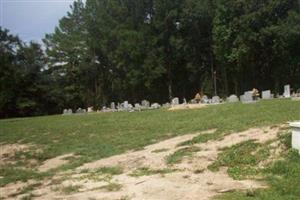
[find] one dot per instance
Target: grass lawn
(94, 136)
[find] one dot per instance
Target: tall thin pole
(215, 83)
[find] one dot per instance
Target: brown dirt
(7, 151)
(183, 183)
(54, 162)
(187, 106)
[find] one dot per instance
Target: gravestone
(125, 104)
(287, 91)
(130, 106)
(233, 98)
(112, 105)
(184, 101)
(266, 94)
(295, 135)
(205, 99)
(242, 98)
(247, 97)
(145, 104)
(70, 111)
(90, 109)
(79, 110)
(175, 101)
(215, 99)
(65, 112)
(155, 106)
(137, 107)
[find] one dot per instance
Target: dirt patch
(8, 151)
(187, 106)
(148, 157)
(211, 149)
(54, 162)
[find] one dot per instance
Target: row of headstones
(78, 111)
(205, 99)
(125, 106)
(248, 95)
(145, 105)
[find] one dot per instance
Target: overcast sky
(31, 19)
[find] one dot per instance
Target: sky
(32, 19)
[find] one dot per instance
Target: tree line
(116, 50)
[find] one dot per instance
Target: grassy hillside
(94, 136)
(103, 134)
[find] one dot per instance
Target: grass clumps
(241, 159)
(110, 170)
(284, 180)
(70, 189)
(160, 150)
(201, 138)
(27, 189)
(111, 187)
(148, 172)
(13, 174)
(101, 174)
(180, 154)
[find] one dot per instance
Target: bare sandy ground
(8, 150)
(182, 183)
(187, 106)
(54, 162)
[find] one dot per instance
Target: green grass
(70, 189)
(160, 150)
(202, 138)
(95, 136)
(180, 154)
(283, 178)
(14, 174)
(101, 174)
(111, 187)
(241, 159)
(27, 189)
(148, 172)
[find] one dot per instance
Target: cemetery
(199, 101)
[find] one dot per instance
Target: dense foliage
(116, 50)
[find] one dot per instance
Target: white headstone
(175, 101)
(248, 96)
(287, 91)
(90, 109)
(145, 103)
(233, 98)
(125, 104)
(215, 99)
(205, 99)
(266, 94)
(155, 106)
(112, 105)
(295, 135)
